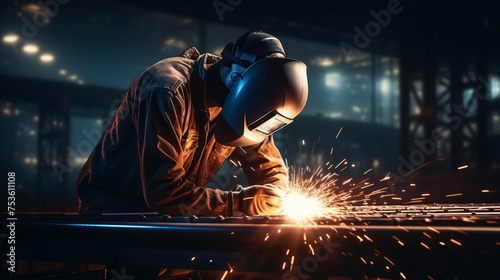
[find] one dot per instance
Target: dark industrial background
(405, 93)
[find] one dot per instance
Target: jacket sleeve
(263, 164)
(158, 119)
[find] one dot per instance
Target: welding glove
(257, 199)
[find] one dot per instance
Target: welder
(183, 117)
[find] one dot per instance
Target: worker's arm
(263, 164)
(158, 117)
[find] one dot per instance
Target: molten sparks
(312, 195)
(300, 206)
(312, 250)
(338, 133)
(456, 242)
(454, 194)
(425, 245)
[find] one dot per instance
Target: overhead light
(30, 48)
(63, 72)
(46, 58)
(32, 8)
(332, 80)
(176, 43)
(385, 86)
(323, 61)
(10, 38)
(6, 111)
(73, 77)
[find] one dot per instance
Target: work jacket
(158, 152)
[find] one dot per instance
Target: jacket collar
(199, 76)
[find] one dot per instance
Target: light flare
(311, 196)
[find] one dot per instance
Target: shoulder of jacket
(170, 72)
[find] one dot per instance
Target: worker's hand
(257, 199)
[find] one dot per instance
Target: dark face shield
(270, 123)
(267, 96)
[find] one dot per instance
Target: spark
(347, 181)
(456, 242)
(434, 230)
(338, 133)
(368, 238)
(312, 250)
(367, 186)
(367, 171)
(389, 260)
(425, 245)
(454, 194)
(427, 235)
(310, 205)
(224, 275)
(387, 177)
(193, 258)
(462, 167)
(412, 185)
(287, 252)
(402, 275)
(485, 191)
(339, 163)
(283, 266)
(399, 241)
(442, 243)
(230, 267)
(312, 195)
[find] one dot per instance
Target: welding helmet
(267, 96)
(249, 48)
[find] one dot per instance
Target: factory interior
(404, 99)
